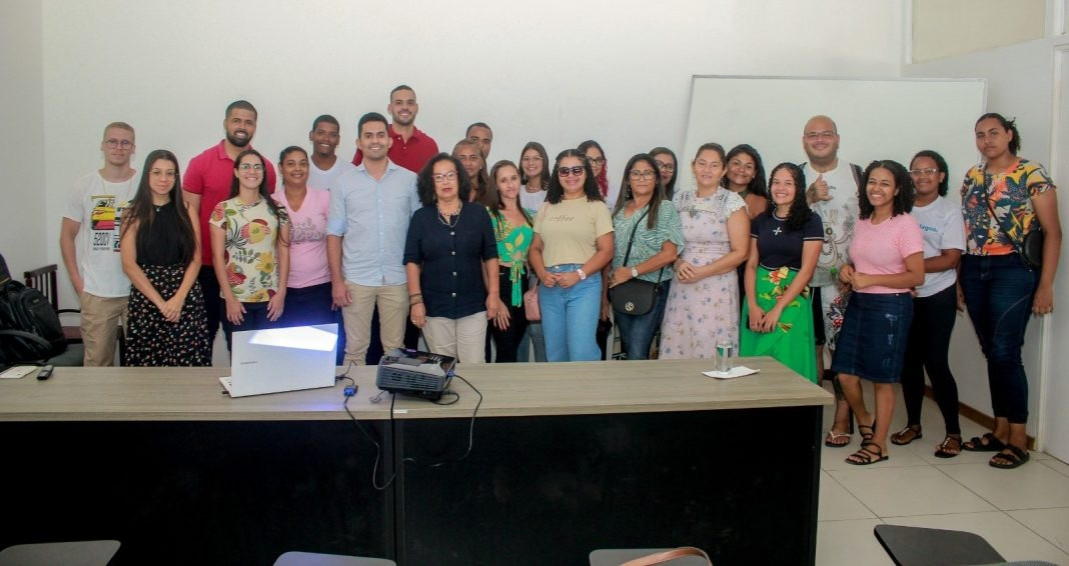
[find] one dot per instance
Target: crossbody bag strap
(631, 240)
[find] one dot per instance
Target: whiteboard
(876, 118)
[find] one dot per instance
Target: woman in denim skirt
(887, 260)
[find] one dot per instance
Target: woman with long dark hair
(167, 324)
(648, 235)
(745, 176)
(534, 175)
(886, 262)
(513, 230)
(668, 167)
(594, 155)
(471, 157)
(572, 243)
(777, 317)
(250, 249)
(1005, 200)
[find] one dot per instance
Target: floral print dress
(251, 262)
(701, 314)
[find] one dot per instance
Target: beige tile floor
(1023, 513)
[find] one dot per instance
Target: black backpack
(31, 328)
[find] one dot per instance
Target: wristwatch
(634, 272)
(582, 274)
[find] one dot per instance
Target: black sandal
(870, 453)
(866, 436)
(977, 444)
(907, 435)
(1015, 458)
(948, 442)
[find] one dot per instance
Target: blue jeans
(998, 295)
(636, 331)
(532, 338)
(570, 317)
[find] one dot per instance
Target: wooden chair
(44, 280)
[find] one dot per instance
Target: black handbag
(1030, 248)
(635, 296)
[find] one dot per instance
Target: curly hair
(425, 181)
(903, 200)
(799, 212)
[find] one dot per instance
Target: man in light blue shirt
(369, 212)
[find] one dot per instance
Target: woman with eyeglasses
(666, 166)
(886, 262)
(934, 304)
(471, 157)
(1006, 200)
(573, 241)
(777, 316)
(648, 235)
(250, 249)
(167, 324)
(308, 299)
(745, 176)
(593, 153)
(703, 303)
(513, 230)
(451, 263)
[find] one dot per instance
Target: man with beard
(411, 148)
(207, 183)
(325, 167)
(369, 212)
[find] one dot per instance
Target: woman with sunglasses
(250, 249)
(648, 237)
(573, 241)
(703, 304)
(451, 263)
(1004, 200)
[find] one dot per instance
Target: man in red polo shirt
(411, 148)
(207, 183)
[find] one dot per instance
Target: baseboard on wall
(976, 416)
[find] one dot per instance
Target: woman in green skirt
(777, 318)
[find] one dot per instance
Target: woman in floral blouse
(250, 249)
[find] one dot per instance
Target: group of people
(815, 263)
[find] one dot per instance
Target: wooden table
(566, 458)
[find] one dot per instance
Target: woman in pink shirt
(308, 299)
(886, 261)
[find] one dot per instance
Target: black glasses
(663, 166)
(114, 143)
(637, 175)
(565, 171)
(595, 160)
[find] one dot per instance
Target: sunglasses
(566, 171)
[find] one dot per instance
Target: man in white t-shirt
(325, 167)
(89, 242)
(832, 193)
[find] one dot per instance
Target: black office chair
(81, 553)
(44, 279)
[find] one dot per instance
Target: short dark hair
(903, 201)
(757, 185)
(325, 118)
(370, 117)
(242, 105)
(401, 87)
(940, 164)
(478, 125)
(799, 212)
(555, 192)
(1008, 125)
(425, 181)
(282, 155)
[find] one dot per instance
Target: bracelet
(582, 274)
(415, 299)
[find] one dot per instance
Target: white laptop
(281, 359)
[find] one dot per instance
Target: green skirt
(792, 341)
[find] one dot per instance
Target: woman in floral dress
(703, 304)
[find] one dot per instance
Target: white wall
(1020, 84)
(943, 28)
(559, 72)
(24, 240)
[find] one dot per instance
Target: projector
(412, 372)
